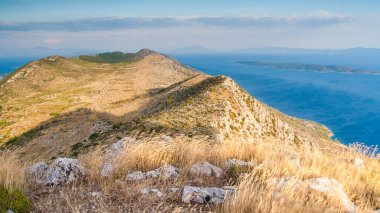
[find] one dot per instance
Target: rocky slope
(56, 106)
(164, 137)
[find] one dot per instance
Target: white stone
(152, 174)
(205, 169)
(37, 172)
(168, 172)
(135, 176)
(147, 191)
(96, 194)
(201, 195)
(235, 163)
(333, 188)
(296, 163)
(358, 162)
(64, 170)
(165, 172)
(107, 169)
(167, 138)
(174, 189)
(116, 148)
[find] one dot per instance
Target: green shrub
(13, 199)
(54, 114)
(93, 136)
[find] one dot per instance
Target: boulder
(201, 195)
(332, 188)
(205, 169)
(234, 163)
(135, 176)
(168, 172)
(37, 172)
(358, 162)
(64, 170)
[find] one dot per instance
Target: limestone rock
(135, 176)
(166, 138)
(333, 188)
(168, 172)
(37, 172)
(164, 172)
(64, 170)
(107, 169)
(201, 195)
(173, 189)
(152, 174)
(147, 191)
(235, 163)
(358, 162)
(205, 169)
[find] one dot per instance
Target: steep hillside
(53, 86)
(68, 106)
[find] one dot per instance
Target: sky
(169, 24)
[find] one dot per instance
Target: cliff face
(53, 104)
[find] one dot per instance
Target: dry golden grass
(253, 194)
(12, 171)
(361, 185)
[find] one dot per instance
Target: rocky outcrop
(201, 195)
(61, 171)
(205, 169)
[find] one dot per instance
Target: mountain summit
(145, 133)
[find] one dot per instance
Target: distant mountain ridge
(278, 50)
(309, 67)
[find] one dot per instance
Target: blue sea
(347, 103)
(9, 64)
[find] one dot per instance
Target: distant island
(308, 67)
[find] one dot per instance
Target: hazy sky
(162, 25)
